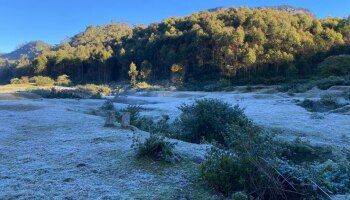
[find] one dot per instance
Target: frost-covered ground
(51, 149)
(277, 111)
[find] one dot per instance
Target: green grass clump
(22, 80)
(63, 80)
(325, 104)
(42, 81)
(107, 105)
(156, 148)
(95, 91)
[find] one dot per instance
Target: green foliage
(161, 126)
(29, 50)
(244, 45)
(146, 70)
(15, 81)
(63, 80)
(335, 66)
(300, 151)
(107, 105)
(292, 71)
(42, 81)
(326, 103)
(177, 72)
(81, 92)
(207, 120)
(60, 94)
(296, 170)
(134, 114)
(240, 196)
(156, 148)
(246, 158)
(95, 91)
(22, 80)
(301, 86)
(133, 72)
(223, 171)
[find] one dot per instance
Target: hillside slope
(30, 49)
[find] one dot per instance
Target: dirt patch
(19, 107)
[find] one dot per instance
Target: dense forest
(242, 45)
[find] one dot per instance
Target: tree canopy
(239, 44)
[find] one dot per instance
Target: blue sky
(54, 20)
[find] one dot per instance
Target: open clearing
(276, 111)
(49, 148)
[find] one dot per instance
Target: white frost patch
(269, 110)
(56, 152)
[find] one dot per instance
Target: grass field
(19, 87)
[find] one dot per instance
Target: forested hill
(30, 50)
(248, 45)
(281, 8)
(291, 10)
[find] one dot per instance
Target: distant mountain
(218, 9)
(30, 49)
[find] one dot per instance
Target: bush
(15, 81)
(63, 80)
(42, 81)
(134, 114)
(22, 80)
(145, 86)
(250, 160)
(325, 104)
(54, 93)
(300, 151)
(223, 171)
(79, 93)
(155, 147)
(335, 66)
(107, 105)
(207, 119)
(95, 91)
(296, 170)
(240, 196)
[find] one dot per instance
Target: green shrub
(207, 119)
(319, 179)
(95, 91)
(63, 80)
(326, 103)
(15, 81)
(296, 170)
(335, 66)
(22, 80)
(134, 111)
(240, 196)
(55, 93)
(223, 171)
(299, 152)
(107, 105)
(42, 81)
(156, 148)
(79, 93)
